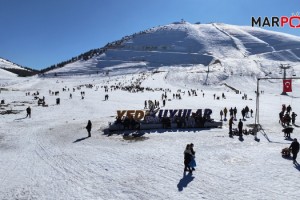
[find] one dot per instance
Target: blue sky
(40, 33)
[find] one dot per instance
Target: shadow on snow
(186, 179)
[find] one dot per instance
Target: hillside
(15, 68)
(227, 50)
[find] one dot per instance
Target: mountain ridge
(16, 69)
(225, 49)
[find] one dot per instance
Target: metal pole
(257, 104)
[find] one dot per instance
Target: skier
(89, 128)
(251, 111)
(145, 104)
(295, 149)
(294, 115)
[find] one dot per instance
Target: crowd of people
(286, 117)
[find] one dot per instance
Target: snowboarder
(28, 110)
(295, 149)
(89, 128)
(294, 115)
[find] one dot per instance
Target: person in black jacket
(294, 115)
(89, 127)
(28, 110)
(187, 158)
(230, 126)
(240, 127)
(295, 149)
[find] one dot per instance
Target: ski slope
(48, 156)
(224, 48)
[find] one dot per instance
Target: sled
(286, 152)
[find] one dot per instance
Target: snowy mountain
(15, 68)
(215, 50)
(49, 156)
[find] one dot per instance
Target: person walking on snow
(295, 149)
(89, 128)
(221, 114)
(234, 113)
(193, 162)
(240, 127)
(28, 110)
(187, 158)
(294, 115)
(225, 113)
(230, 126)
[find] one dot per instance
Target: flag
(287, 85)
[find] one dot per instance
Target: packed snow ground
(48, 156)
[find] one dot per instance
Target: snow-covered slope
(16, 69)
(48, 156)
(227, 50)
(5, 64)
(6, 74)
